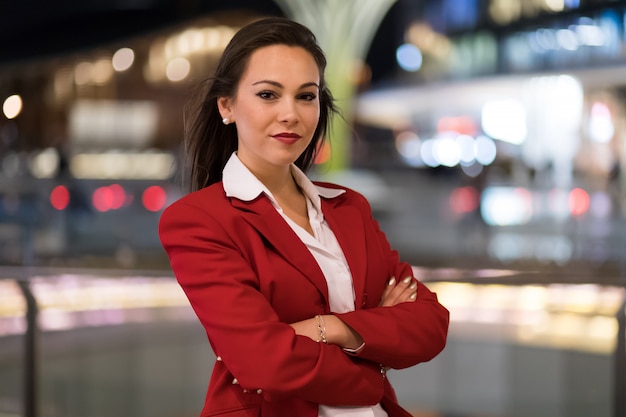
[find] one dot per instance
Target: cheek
(250, 121)
(249, 113)
(313, 117)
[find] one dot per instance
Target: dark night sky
(32, 29)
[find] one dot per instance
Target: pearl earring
(225, 120)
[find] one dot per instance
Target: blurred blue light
(485, 150)
(409, 57)
(427, 153)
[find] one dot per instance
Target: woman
(304, 303)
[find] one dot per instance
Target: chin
(287, 158)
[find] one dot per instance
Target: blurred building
(518, 102)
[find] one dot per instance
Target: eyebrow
(279, 85)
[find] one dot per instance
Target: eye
(266, 95)
(308, 96)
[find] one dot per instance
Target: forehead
(281, 63)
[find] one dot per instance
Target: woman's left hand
(397, 292)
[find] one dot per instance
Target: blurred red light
(110, 197)
(463, 125)
(578, 201)
(118, 196)
(60, 197)
(101, 199)
(153, 198)
(464, 200)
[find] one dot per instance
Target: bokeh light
(123, 59)
(409, 57)
(154, 198)
(60, 197)
(12, 106)
(177, 69)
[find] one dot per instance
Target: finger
(410, 293)
(387, 290)
(403, 291)
(396, 292)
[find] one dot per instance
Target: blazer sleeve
(407, 333)
(256, 347)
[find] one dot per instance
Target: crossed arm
(337, 332)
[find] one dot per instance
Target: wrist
(321, 329)
(339, 333)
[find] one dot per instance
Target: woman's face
(276, 107)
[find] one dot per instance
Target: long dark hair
(208, 142)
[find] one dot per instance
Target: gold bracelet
(321, 329)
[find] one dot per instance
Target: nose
(288, 111)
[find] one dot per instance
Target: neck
(281, 185)
(279, 180)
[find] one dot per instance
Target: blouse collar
(239, 182)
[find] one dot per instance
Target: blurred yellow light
(83, 73)
(12, 106)
(45, 164)
(70, 293)
(123, 59)
(532, 297)
(170, 48)
(564, 316)
(182, 44)
(102, 71)
(12, 302)
(602, 327)
(190, 41)
(555, 5)
(505, 11)
(154, 68)
(119, 165)
(212, 39)
(177, 69)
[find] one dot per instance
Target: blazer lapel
(263, 216)
(345, 222)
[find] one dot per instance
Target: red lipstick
(287, 137)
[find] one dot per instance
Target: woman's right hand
(399, 291)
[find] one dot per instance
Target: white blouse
(240, 183)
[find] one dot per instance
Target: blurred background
(488, 135)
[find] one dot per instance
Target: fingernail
(413, 286)
(406, 280)
(392, 281)
(413, 296)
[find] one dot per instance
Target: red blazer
(247, 275)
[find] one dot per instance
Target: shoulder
(204, 213)
(207, 200)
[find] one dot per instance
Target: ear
(225, 107)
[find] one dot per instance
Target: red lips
(287, 137)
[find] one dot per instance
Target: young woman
(304, 302)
